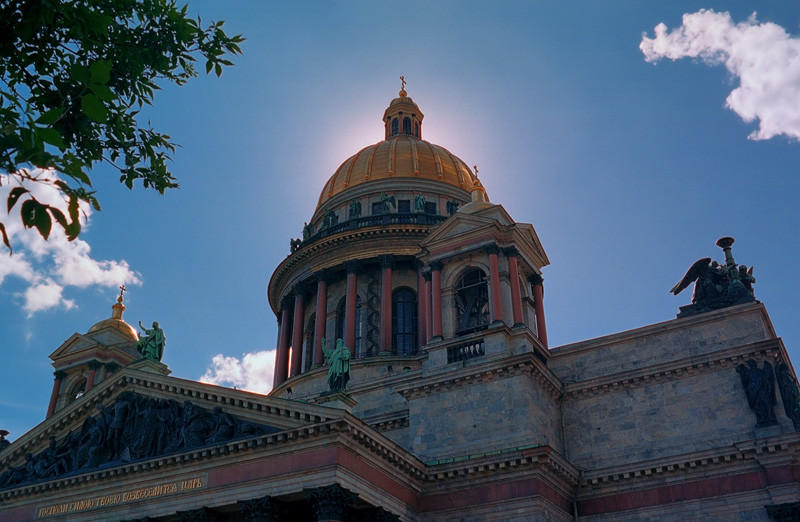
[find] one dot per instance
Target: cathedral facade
(445, 402)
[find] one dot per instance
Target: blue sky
(629, 169)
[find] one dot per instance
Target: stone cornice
(491, 369)
(725, 460)
(664, 327)
(672, 370)
(411, 232)
(509, 460)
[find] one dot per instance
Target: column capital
(299, 288)
(264, 509)
(510, 251)
(94, 365)
(112, 366)
(417, 264)
(492, 249)
(536, 280)
(386, 260)
(287, 302)
(323, 275)
(59, 375)
(201, 514)
(378, 514)
(351, 266)
(426, 275)
(330, 501)
(436, 265)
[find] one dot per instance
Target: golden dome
(116, 322)
(401, 156)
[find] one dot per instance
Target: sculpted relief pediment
(133, 427)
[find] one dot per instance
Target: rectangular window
(430, 207)
(404, 206)
(377, 208)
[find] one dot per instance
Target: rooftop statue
(338, 365)
(419, 203)
(151, 344)
(716, 286)
(387, 202)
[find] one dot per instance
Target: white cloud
(50, 267)
(762, 55)
(253, 372)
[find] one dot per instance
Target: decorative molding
(387, 260)
(264, 509)
(510, 251)
(671, 370)
(351, 266)
(323, 275)
(490, 370)
(330, 501)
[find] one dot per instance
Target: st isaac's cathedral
(414, 383)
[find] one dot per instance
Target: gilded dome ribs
(438, 161)
(391, 157)
(414, 157)
(368, 167)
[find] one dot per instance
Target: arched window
(406, 125)
(340, 322)
(404, 322)
(309, 351)
(77, 390)
(416, 130)
(395, 127)
(472, 302)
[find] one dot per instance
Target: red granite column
(538, 305)
(421, 302)
(322, 312)
(511, 254)
(494, 283)
(428, 306)
(387, 264)
(51, 408)
(295, 366)
(350, 305)
(436, 298)
(93, 366)
(282, 357)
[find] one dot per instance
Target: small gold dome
(116, 322)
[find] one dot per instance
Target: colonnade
(429, 307)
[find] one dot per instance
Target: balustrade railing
(464, 351)
(376, 220)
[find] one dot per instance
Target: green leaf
(103, 92)
(51, 136)
(28, 213)
(94, 108)
(6, 242)
(58, 216)
(14, 196)
(80, 73)
(50, 117)
(101, 72)
(42, 221)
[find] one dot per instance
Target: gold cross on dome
(476, 170)
(403, 80)
(122, 290)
